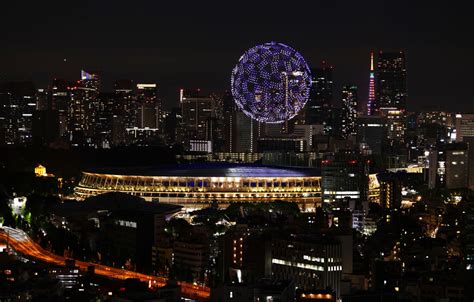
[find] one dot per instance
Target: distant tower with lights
(371, 102)
(349, 111)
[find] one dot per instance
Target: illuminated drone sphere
(271, 82)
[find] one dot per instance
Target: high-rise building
(349, 110)
(343, 176)
(196, 109)
(149, 110)
(126, 98)
(391, 80)
(449, 166)
(396, 123)
(442, 118)
(60, 99)
(312, 262)
(318, 107)
(140, 112)
(390, 190)
(104, 126)
(308, 132)
(247, 131)
(371, 134)
(371, 109)
(17, 105)
(464, 126)
(391, 92)
(82, 113)
(171, 129)
(125, 111)
(245, 256)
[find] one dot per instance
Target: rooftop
(211, 170)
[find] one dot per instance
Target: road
(22, 243)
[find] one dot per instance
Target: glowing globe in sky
(271, 82)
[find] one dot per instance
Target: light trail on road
(23, 244)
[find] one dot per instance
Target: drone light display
(271, 82)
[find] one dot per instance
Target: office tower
(60, 100)
(433, 127)
(247, 131)
(17, 105)
(442, 118)
(104, 125)
(449, 166)
(308, 132)
(391, 80)
(149, 110)
(125, 111)
(312, 261)
(141, 113)
(464, 126)
(245, 256)
(127, 102)
(371, 106)
(215, 133)
(390, 190)
(318, 107)
(43, 99)
(82, 113)
(396, 123)
(391, 92)
(89, 89)
(371, 134)
(240, 132)
(343, 176)
(171, 127)
(196, 109)
(349, 110)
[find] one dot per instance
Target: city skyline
(236, 151)
(128, 44)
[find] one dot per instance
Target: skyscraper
(391, 92)
(371, 102)
(60, 101)
(83, 107)
(149, 110)
(391, 80)
(196, 110)
(17, 104)
(126, 110)
(105, 120)
(349, 110)
(318, 107)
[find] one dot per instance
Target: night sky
(197, 43)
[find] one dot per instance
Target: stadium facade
(198, 185)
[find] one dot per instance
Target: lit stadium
(198, 185)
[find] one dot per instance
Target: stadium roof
(211, 170)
